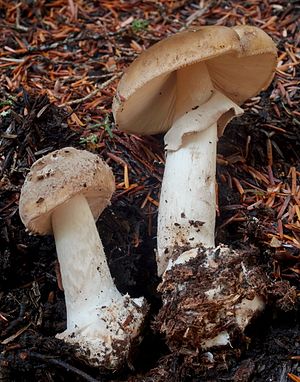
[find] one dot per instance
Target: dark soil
(32, 306)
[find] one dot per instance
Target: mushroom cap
(56, 178)
(241, 62)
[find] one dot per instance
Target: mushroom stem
(188, 201)
(186, 217)
(100, 320)
(85, 274)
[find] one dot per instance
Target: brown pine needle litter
(60, 63)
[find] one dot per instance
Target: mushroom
(63, 194)
(190, 86)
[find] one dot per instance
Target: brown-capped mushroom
(190, 86)
(63, 194)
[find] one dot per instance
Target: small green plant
(107, 126)
(4, 113)
(95, 126)
(139, 25)
(6, 102)
(92, 138)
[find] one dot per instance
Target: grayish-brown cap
(56, 178)
(241, 62)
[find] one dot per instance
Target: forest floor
(60, 63)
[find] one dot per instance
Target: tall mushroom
(190, 86)
(63, 194)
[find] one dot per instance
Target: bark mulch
(60, 62)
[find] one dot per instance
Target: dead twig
(64, 365)
(91, 94)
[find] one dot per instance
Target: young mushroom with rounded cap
(63, 194)
(190, 86)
